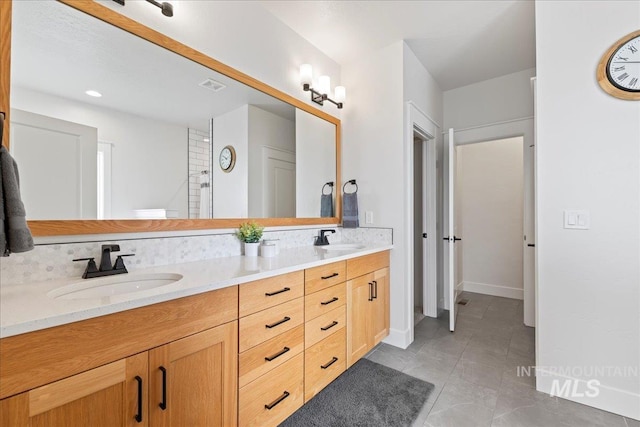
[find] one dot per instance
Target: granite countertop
(27, 308)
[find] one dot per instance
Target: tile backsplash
(54, 261)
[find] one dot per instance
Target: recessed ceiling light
(93, 93)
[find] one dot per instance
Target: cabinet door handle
(270, 294)
(278, 354)
(375, 289)
(334, 299)
(138, 416)
(333, 360)
(279, 322)
(330, 276)
(163, 404)
(370, 291)
(326, 328)
(271, 405)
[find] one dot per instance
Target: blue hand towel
(350, 213)
(15, 236)
(326, 205)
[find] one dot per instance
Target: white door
(453, 270)
(529, 251)
(279, 186)
(41, 145)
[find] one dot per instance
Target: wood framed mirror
(268, 116)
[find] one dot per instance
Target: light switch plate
(368, 217)
(577, 219)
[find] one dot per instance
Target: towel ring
(330, 184)
(352, 182)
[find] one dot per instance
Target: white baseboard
(398, 338)
(609, 399)
(495, 290)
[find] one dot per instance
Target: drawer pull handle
(270, 294)
(138, 416)
(334, 299)
(271, 405)
(330, 276)
(278, 354)
(279, 322)
(370, 291)
(333, 360)
(375, 287)
(163, 404)
(326, 328)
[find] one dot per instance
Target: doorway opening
(493, 188)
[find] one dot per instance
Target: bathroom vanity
(247, 353)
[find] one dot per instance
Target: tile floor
(474, 371)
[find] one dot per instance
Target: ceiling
(459, 42)
(142, 79)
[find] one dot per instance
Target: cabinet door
(359, 295)
(110, 395)
(379, 317)
(194, 380)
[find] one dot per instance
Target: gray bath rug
(367, 394)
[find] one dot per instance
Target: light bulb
(306, 74)
(324, 84)
(340, 94)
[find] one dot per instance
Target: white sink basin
(113, 285)
(343, 247)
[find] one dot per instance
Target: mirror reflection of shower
(200, 184)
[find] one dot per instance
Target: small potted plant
(250, 233)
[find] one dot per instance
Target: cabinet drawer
(323, 363)
(366, 264)
(321, 277)
(281, 389)
(266, 293)
(264, 357)
(323, 301)
(321, 327)
(264, 325)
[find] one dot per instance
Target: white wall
(490, 178)
(373, 152)
(588, 157)
(265, 130)
(137, 182)
(315, 162)
(503, 98)
(230, 189)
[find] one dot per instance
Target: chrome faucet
(321, 239)
(106, 268)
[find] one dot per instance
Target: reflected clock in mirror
(144, 150)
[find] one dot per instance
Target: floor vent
(463, 301)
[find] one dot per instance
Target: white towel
(205, 191)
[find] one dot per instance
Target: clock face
(623, 68)
(227, 158)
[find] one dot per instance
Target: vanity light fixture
(94, 93)
(324, 87)
(167, 8)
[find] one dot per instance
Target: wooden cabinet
(247, 355)
(76, 375)
(111, 395)
(271, 346)
(193, 381)
(367, 304)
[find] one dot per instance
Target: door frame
(419, 122)
(524, 128)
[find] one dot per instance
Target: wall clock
(619, 68)
(227, 158)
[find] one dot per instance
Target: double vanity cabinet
(247, 355)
